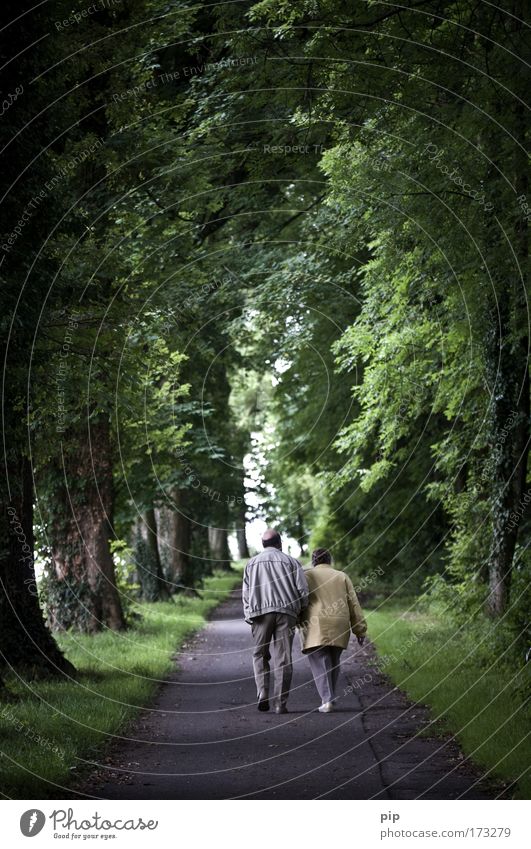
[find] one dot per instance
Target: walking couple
(280, 596)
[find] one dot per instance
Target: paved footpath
(203, 737)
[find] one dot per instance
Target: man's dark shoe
(281, 709)
(263, 703)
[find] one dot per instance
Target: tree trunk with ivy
(507, 351)
(509, 446)
(153, 584)
(26, 644)
(81, 586)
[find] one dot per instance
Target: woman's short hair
(321, 555)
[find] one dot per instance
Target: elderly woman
(325, 626)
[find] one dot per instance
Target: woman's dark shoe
(281, 709)
(263, 702)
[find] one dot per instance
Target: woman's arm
(357, 619)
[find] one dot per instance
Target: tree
(25, 642)
(431, 304)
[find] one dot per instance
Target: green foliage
(291, 233)
(126, 583)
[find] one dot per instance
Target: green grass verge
(50, 729)
(483, 707)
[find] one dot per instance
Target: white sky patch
(256, 527)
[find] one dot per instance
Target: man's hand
(361, 640)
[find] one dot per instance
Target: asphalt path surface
(203, 737)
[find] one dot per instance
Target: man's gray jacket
(273, 582)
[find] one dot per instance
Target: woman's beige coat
(333, 611)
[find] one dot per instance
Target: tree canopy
(280, 239)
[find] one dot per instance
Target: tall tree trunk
(25, 642)
(507, 354)
(509, 461)
(241, 539)
(200, 549)
(160, 590)
(241, 509)
(301, 535)
(182, 573)
(201, 543)
(164, 520)
(83, 583)
(219, 548)
(510, 502)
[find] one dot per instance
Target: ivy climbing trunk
(507, 348)
(506, 480)
(158, 587)
(509, 438)
(83, 591)
(25, 642)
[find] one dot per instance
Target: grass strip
(477, 698)
(51, 725)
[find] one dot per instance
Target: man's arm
(302, 585)
(245, 593)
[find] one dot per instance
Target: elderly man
(275, 592)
